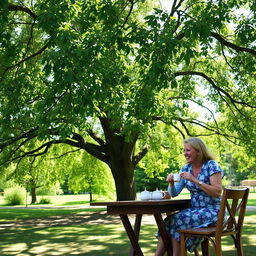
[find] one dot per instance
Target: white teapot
(157, 195)
(145, 195)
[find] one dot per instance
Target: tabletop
(144, 206)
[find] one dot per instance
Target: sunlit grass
(92, 240)
(252, 202)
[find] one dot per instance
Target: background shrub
(14, 196)
(45, 200)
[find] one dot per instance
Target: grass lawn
(83, 199)
(100, 239)
(87, 238)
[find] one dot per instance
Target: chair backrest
(232, 210)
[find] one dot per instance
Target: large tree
(112, 69)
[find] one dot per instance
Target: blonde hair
(199, 145)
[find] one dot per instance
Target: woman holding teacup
(202, 177)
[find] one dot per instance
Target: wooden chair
(233, 203)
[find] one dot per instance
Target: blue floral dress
(204, 208)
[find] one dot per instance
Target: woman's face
(190, 154)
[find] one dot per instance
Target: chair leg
(183, 249)
(205, 247)
(217, 247)
(238, 244)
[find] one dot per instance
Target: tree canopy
(112, 69)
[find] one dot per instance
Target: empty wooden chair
(230, 222)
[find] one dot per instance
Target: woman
(202, 177)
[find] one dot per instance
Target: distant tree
(5, 184)
(33, 173)
(64, 185)
(87, 174)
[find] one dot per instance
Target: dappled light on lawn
(14, 249)
(89, 232)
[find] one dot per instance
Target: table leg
(137, 225)
(165, 236)
(131, 233)
(205, 247)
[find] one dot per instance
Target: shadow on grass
(98, 234)
(58, 218)
(16, 214)
(73, 240)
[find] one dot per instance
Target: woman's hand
(170, 179)
(188, 176)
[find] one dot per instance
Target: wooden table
(154, 207)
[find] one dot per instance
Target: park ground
(69, 226)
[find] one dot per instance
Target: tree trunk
(90, 188)
(119, 155)
(123, 174)
(90, 196)
(33, 195)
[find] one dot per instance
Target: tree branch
(175, 7)
(95, 137)
(35, 153)
(223, 41)
(201, 105)
(231, 45)
(179, 130)
(140, 155)
(234, 102)
(225, 58)
(64, 154)
(27, 135)
(12, 7)
(95, 150)
(183, 121)
(207, 127)
(25, 59)
(128, 15)
(76, 141)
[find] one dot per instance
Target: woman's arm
(174, 188)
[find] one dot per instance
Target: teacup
(176, 177)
